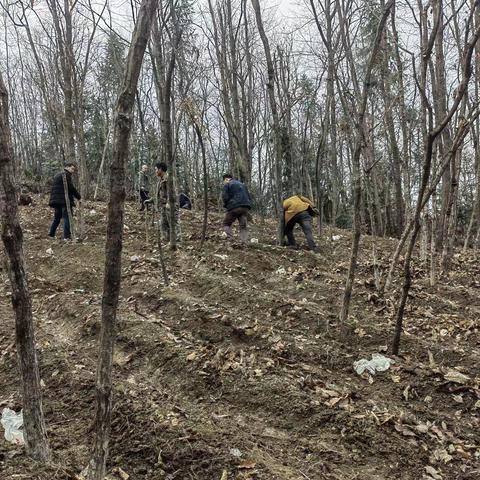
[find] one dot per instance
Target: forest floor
(238, 369)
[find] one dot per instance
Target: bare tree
(359, 139)
(433, 132)
(113, 248)
(12, 236)
(278, 190)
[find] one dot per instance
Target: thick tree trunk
(275, 120)
(64, 38)
(392, 140)
(35, 431)
(330, 123)
(113, 247)
(475, 215)
(440, 95)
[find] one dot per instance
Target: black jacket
(57, 194)
(184, 201)
(235, 195)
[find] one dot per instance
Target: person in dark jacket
(58, 200)
(237, 202)
(184, 201)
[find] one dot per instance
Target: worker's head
(71, 167)
(144, 168)
(227, 177)
(160, 169)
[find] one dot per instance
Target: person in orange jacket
(299, 210)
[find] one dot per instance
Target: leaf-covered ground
(238, 369)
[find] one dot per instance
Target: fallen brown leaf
(247, 464)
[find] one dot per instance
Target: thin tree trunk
(68, 206)
(433, 250)
(205, 183)
(113, 248)
(429, 193)
(432, 135)
(102, 162)
(357, 188)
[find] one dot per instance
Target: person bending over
(299, 210)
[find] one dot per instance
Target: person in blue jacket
(237, 203)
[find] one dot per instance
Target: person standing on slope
(58, 200)
(237, 202)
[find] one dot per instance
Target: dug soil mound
(239, 369)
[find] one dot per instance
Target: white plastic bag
(378, 363)
(12, 423)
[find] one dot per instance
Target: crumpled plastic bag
(12, 423)
(378, 363)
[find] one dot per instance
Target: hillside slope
(238, 370)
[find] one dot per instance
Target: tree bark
(113, 247)
(275, 120)
(164, 75)
(433, 133)
(35, 431)
(357, 183)
(198, 131)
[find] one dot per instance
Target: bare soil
(239, 369)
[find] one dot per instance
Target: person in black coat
(184, 201)
(237, 203)
(58, 200)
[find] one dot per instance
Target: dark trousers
(239, 214)
(61, 212)
(143, 196)
(304, 219)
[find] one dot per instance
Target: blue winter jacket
(235, 195)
